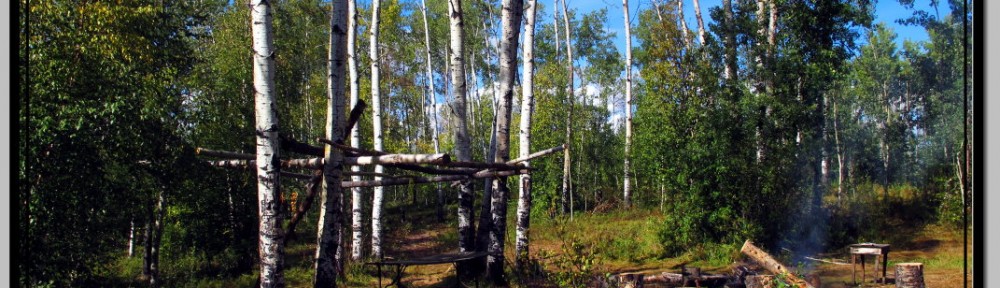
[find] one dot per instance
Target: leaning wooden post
(910, 275)
(771, 264)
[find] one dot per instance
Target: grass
(573, 252)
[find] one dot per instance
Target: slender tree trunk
(701, 24)
(329, 223)
(352, 65)
(680, 18)
(840, 152)
(433, 96)
(511, 18)
(485, 220)
(527, 105)
(466, 236)
(131, 238)
(377, 200)
(157, 237)
(571, 97)
(555, 27)
(271, 249)
(729, 41)
(147, 242)
(628, 104)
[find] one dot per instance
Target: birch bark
(329, 223)
(628, 103)
(352, 66)
(466, 235)
(377, 200)
(569, 124)
(511, 24)
(527, 105)
(271, 250)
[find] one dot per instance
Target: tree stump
(910, 275)
(760, 281)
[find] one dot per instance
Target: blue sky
(887, 11)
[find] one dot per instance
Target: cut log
(771, 264)
(685, 280)
(317, 163)
(910, 275)
(399, 159)
(418, 180)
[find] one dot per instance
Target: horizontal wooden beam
(538, 154)
(419, 180)
(223, 154)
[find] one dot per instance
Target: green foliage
(574, 266)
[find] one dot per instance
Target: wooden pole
(538, 154)
(446, 178)
(771, 264)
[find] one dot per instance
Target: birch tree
(268, 171)
(628, 102)
(511, 22)
(527, 105)
(352, 66)
(329, 223)
(377, 200)
(466, 234)
(701, 23)
(431, 94)
(569, 123)
(729, 40)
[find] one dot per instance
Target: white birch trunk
(569, 123)
(701, 24)
(511, 23)
(433, 96)
(329, 223)
(628, 104)
(485, 221)
(131, 238)
(271, 248)
(352, 66)
(466, 236)
(684, 26)
(527, 105)
(729, 41)
(377, 200)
